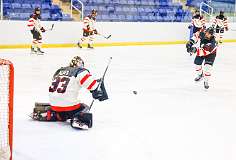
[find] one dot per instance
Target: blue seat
(131, 2)
(56, 17)
(24, 16)
(45, 6)
(45, 16)
(13, 16)
(34, 5)
(66, 17)
(26, 6)
(123, 2)
(130, 18)
(16, 5)
(7, 5)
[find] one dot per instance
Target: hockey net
(6, 109)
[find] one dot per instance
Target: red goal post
(6, 109)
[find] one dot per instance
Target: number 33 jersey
(65, 87)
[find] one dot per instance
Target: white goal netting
(5, 134)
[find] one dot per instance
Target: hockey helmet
(37, 10)
(210, 31)
(77, 61)
(197, 12)
(94, 12)
(221, 12)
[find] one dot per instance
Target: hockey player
(63, 93)
(198, 23)
(220, 23)
(89, 29)
(206, 51)
(36, 29)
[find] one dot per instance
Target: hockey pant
(37, 39)
(206, 69)
(87, 36)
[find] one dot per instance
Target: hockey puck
(135, 92)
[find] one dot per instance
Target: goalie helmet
(77, 61)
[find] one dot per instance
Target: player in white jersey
(36, 29)
(220, 23)
(89, 29)
(63, 95)
(198, 23)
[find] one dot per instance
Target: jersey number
(59, 85)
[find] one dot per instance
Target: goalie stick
(102, 79)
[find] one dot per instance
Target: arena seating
(136, 10)
(108, 10)
(22, 9)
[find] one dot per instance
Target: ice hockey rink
(170, 118)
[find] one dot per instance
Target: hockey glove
(100, 92)
(42, 29)
(95, 31)
(189, 45)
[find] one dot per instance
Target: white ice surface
(171, 117)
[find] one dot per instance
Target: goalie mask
(77, 62)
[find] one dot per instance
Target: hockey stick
(102, 79)
(107, 37)
(50, 29)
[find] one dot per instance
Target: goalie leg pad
(43, 112)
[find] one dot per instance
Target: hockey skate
(75, 123)
(79, 45)
(40, 52)
(206, 85)
(33, 51)
(198, 78)
(90, 47)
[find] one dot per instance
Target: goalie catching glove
(100, 92)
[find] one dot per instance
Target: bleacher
(108, 10)
(22, 9)
(136, 10)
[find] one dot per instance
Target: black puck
(135, 92)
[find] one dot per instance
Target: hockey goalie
(65, 87)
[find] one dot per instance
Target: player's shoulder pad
(79, 70)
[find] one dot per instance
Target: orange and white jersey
(89, 23)
(198, 21)
(66, 85)
(220, 22)
(34, 22)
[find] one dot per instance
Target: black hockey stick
(107, 37)
(50, 29)
(102, 79)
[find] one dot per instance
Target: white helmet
(77, 61)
